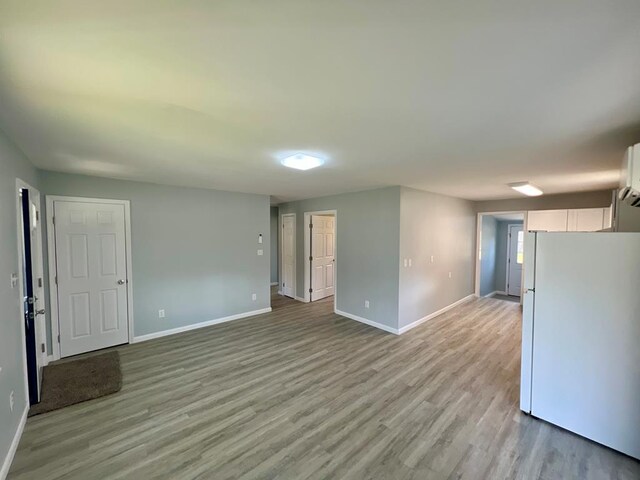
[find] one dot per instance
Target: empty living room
(319, 240)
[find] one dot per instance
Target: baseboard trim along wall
(494, 293)
(366, 321)
(273, 284)
(435, 314)
(14, 444)
(195, 326)
(300, 299)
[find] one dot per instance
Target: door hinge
(42, 347)
(37, 216)
(53, 220)
(282, 284)
(39, 283)
(56, 279)
(311, 290)
(58, 338)
(311, 225)
(311, 259)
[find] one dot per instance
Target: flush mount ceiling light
(526, 188)
(302, 161)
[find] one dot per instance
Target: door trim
(51, 249)
(281, 240)
(506, 282)
(307, 254)
(479, 243)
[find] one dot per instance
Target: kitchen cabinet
(548, 220)
(571, 220)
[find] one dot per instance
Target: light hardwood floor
(303, 393)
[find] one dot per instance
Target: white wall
(444, 227)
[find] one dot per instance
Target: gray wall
(489, 240)
(194, 250)
(628, 218)
(367, 244)
(274, 244)
(444, 227)
(602, 198)
(501, 253)
(12, 165)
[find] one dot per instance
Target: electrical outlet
(254, 297)
(11, 400)
(161, 313)
(366, 304)
(449, 274)
(260, 252)
(431, 258)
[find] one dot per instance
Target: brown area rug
(76, 381)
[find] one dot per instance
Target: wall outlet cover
(161, 313)
(260, 252)
(254, 297)
(366, 304)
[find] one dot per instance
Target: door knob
(121, 282)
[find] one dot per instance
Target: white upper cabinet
(547, 220)
(574, 220)
(586, 220)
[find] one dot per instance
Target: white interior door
(288, 256)
(515, 260)
(322, 256)
(91, 273)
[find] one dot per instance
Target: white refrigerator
(581, 335)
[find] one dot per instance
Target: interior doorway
(500, 255)
(320, 254)
(31, 285)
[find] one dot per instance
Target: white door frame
(307, 254)
(479, 242)
(506, 282)
(20, 184)
(51, 244)
(281, 272)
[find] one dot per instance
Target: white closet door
(92, 276)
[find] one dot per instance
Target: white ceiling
(453, 96)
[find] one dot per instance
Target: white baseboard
(366, 321)
(280, 292)
(186, 328)
(6, 465)
(494, 293)
(435, 314)
(300, 299)
(273, 284)
(49, 359)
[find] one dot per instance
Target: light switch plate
(14, 280)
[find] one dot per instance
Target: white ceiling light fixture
(526, 189)
(302, 161)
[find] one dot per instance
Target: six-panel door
(322, 252)
(91, 275)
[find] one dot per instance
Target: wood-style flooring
(302, 393)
